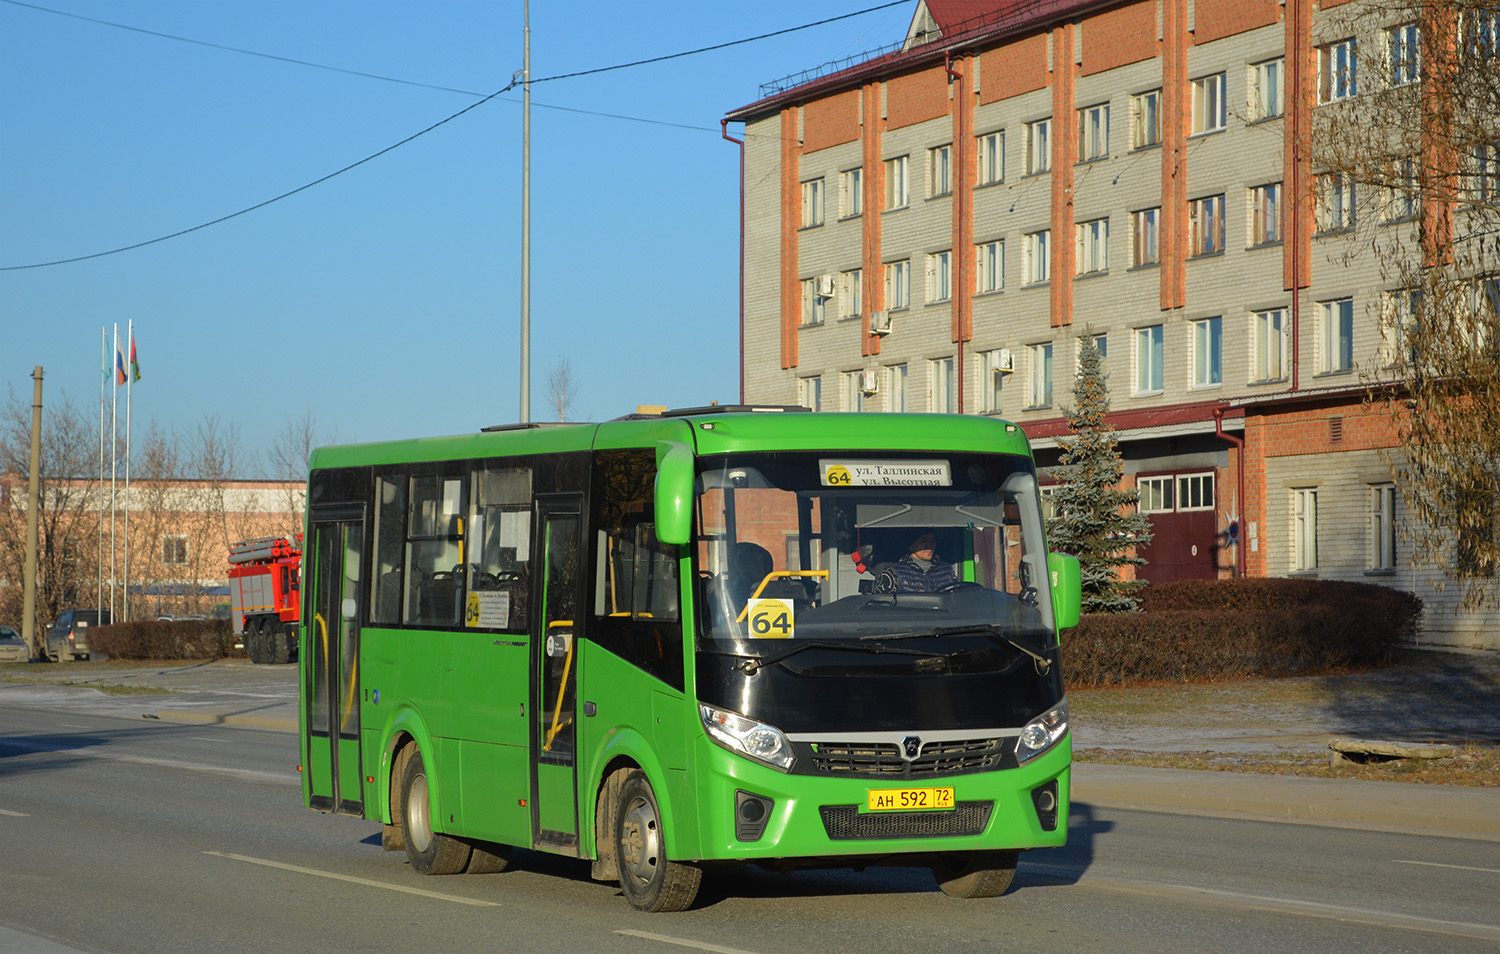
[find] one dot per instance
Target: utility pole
(33, 497)
(526, 224)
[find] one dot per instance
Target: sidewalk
(236, 693)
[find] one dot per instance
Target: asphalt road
(126, 834)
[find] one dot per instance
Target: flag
(119, 365)
(135, 366)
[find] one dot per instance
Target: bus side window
(500, 544)
(434, 550)
(390, 544)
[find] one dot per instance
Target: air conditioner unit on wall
(825, 286)
(880, 322)
(869, 381)
(1004, 363)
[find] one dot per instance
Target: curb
(187, 717)
(1443, 810)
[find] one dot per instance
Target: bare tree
(210, 463)
(68, 510)
(561, 390)
(1420, 145)
(288, 460)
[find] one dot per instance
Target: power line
(413, 136)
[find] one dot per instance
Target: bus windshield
(869, 546)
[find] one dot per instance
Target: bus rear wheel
(978, 874)
(430, 852)
(650, 880)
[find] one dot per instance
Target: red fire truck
(265, 590)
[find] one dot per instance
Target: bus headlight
(756, 740)
(1043, 732)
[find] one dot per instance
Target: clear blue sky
(386, 300)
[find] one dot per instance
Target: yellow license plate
(910, 799)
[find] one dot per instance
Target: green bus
(722, 634)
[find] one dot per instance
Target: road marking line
(249, 775)
(1256, 902)
(1434, 864)
(683, 942)
(14, 814)
(353, 880)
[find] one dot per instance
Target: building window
(1480, 328)
(1145, 119)
(994, 368)
(174, 549)
(1403, 54)
(1265, 214)
(1208, 352)
(1149, 359)
(1267, 97)
(1039, 375)
(1304, 529)
(851, 293)
(1101, 343)
(1335, 202)
(1035, 264)
(896, 195)
(812, 203)
(1206, 225)
(990, 274)
(1484, 172)
(1093, 246)
(851, 193)
(1210, 113)
(942, 397)
(940, 276)
(992, 158)
(1195, 492)
(1336, 335)
(1403, 193)
(1038, 146)
(1382, 555)
(810, 393)
(1093, 132)
(1269, 345)
(940, 170)
(1144, 249)
(814, 304)
(1336, 78)
(1154, 494)
(854, 394)
(1399, 310)
(1481, 34)
(895, 395)
(898, 284)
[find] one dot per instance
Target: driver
(920, 571)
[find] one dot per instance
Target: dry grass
(1477, 766)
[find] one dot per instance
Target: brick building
(934, 228)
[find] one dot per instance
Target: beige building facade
(934, 229)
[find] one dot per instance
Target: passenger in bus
(920, 571)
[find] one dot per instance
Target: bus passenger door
(332, 665)
(556, 616)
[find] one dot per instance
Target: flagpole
(114, 404)
(99, 493)
(130, 336)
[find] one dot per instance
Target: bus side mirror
(674, 492)
(1067, 589)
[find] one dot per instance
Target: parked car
(68, 638)
(12, 647)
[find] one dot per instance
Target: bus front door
(557, 613)
(332, 666)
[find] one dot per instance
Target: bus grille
(846, 822)
(954, 757)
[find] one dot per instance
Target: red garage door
(1186, 542)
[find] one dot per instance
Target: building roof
(962, 24)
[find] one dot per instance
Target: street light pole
(526, 225)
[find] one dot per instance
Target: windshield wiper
(754, 664)
(987, 629)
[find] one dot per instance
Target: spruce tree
(1097, 521)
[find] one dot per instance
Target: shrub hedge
(166, 639)
(1203, 630)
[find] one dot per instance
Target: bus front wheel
(978, 874)
(651, 882)
(430, 852)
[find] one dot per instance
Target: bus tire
(430, 852)
(487, 857)
(977, 874)
(650, 880)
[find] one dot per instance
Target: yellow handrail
(556, 726)
(820, 574)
